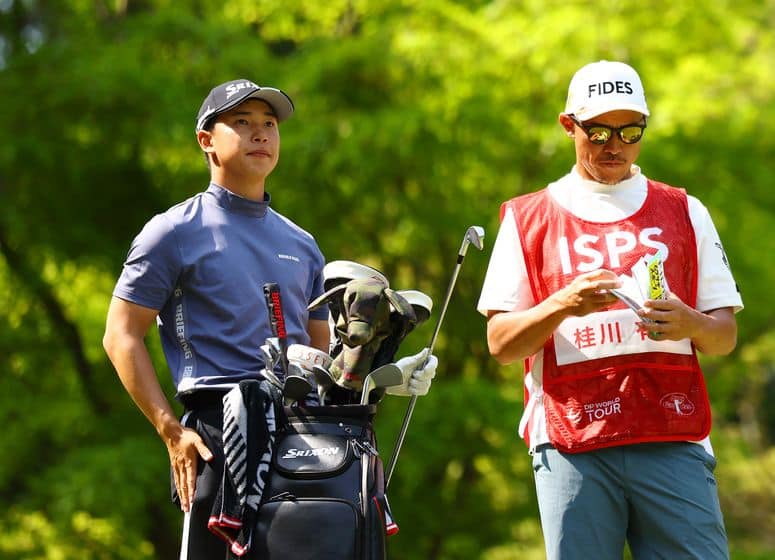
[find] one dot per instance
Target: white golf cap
(605, 86)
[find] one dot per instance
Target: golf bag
(324, 499)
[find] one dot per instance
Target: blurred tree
(414, 120)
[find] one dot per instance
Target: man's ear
(567, 123)
(205, 140)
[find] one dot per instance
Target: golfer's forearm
(715, 332)
(147, 394)
(136, 372)
(515, 335)
(319, 334)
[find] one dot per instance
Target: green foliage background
(415, 119)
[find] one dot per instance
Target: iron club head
(295, 388)
(474, 236)
(270, 376)
(324, 381)
(268, 356)
(387, 375)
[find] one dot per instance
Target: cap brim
(593, 112)
(277, 99)
(281, 104)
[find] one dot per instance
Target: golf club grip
(277, 320)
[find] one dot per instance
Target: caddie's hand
(588, 293)
(669, 319)
(417, 375)
(184, 451)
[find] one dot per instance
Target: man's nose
(614, 145)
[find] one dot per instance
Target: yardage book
(647, 281)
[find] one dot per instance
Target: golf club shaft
(413, 400)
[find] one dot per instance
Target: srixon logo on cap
(231, 89)
(604, 88)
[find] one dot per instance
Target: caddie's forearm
(515, 335)
(715, 332)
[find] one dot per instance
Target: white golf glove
(417, 379)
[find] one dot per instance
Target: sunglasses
(600, 134)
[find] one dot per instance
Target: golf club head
(340, 272)
(295, 388)
(475, 236)
(324, 380)
(270, 376)
(420, 302)
(366, 390)
(387, 375)
(323, 377)
(297, 370)
(266, 356)
(274, 344)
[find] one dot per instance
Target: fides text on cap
(604, 88)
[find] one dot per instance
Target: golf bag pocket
(325, 490)
(308, 529)
(313, 456)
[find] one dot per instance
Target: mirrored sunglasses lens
(599, 134)
(631, 134)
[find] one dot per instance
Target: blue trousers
(659, 497)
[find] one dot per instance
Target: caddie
(617, 418)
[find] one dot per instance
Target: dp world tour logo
(677, 403)
(574, 416)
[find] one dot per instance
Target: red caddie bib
(605, 383)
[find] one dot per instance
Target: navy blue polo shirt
(203, 264)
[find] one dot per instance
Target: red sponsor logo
(277, 312)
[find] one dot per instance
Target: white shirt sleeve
(506, 286)
(716, 286)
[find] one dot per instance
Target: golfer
(198, 271)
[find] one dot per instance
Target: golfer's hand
(668, 319)
(588, 293)
(417, 375)
(184, 452)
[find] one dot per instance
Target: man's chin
(609, 176)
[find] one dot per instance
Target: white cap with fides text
(605, 86)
